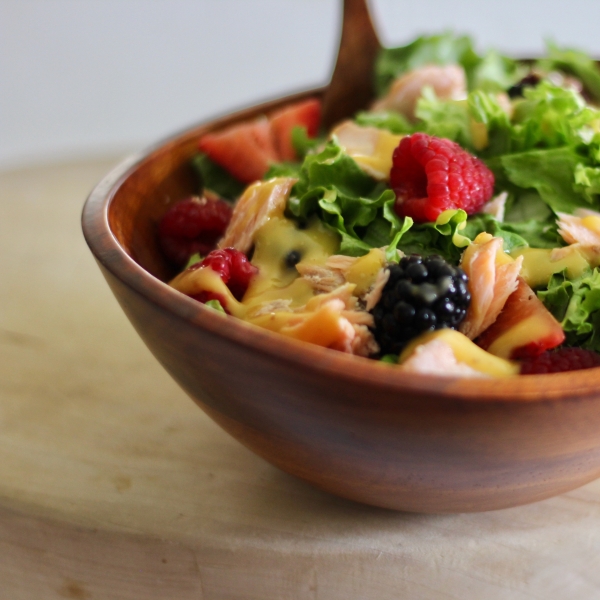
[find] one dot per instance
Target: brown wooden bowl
(354, 427)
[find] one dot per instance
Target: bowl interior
(126, 207)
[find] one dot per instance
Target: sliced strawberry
(525, 327)
(304, 114)
(245, 150)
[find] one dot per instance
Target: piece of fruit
(224, 275)
(559, 360)
(245, 150)
(539, 264)
(421, 294)
(204, 284)
(305, 114)
(430, 175)
(370, 147)
(525, 327)
(192, 226)
(431, 348)
(530, 80)
(234, 268)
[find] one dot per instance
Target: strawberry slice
(304, 114)
(245, 150)
(525, 327)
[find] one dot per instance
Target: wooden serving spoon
(352, 83)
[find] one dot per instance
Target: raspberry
(234, 268)
(192, 225)
(421, 294)
(559, 360)
(430, 175)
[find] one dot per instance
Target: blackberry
(422, 294)
(516, 90)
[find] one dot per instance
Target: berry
(305, 114)
(192, 225)
(421, 294)
(430, 175)
(245, 150)
(559, 360)
(234, 268)
(516, 90)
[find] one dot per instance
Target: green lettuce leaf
(576, 305)
(496, 73)
(283, 169)
(444, 118)
(574, 62)
(550, 173)
(215, 305)
(441, 49)
(392, 121)
(532, 233)
(491, 72)
(302, 143)
(344, 197)
(551, 116)
(484, 108)
(587, 182)
(216, 178)
(444, 237)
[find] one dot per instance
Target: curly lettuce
(576, 305)
(491, 71)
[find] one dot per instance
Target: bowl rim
(353, 369)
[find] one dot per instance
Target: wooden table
(113, 485)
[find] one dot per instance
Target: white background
(85, 77)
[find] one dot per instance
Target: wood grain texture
(114, 486)
(352, 84)
(353, 427)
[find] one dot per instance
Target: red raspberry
(431, 175)
(562, 359)
(192, 225)
(235, 270)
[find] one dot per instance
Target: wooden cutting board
(114, 485)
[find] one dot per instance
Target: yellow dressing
(365, 270)
(205, 279)
(277, 278)
(591, 222)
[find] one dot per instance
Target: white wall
(88, 76)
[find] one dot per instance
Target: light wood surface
(114, 485)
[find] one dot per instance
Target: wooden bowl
(354, 427)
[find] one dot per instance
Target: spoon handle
(352, 83)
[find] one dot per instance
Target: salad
(452, 227)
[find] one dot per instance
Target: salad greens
(216, 178)
(543, 148)
(547, 157)
(490, 71)
(576, 305)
